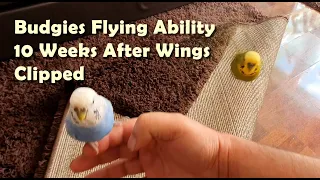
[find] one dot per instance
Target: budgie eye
(93, 102)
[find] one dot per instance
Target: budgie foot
(118, 123)
(95, 146)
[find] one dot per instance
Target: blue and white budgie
(90, 116)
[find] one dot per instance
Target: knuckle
(179, 116)
(143, 119)
(142, 116)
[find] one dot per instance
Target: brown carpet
(31, 112)
(313, 5)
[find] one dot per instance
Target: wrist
(223, 158)
(219, 156)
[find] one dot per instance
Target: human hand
(159, 144)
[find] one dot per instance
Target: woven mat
(225, 104)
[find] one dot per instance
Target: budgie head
(85, 103)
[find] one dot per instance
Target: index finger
(118, 135)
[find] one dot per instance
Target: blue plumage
(99, 117)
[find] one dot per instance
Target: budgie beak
(81, 115)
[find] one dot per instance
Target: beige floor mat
(225, 104)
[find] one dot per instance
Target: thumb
(157, 126)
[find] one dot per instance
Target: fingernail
(132, 142)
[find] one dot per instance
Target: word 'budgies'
(90, 116)
(246, 66)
